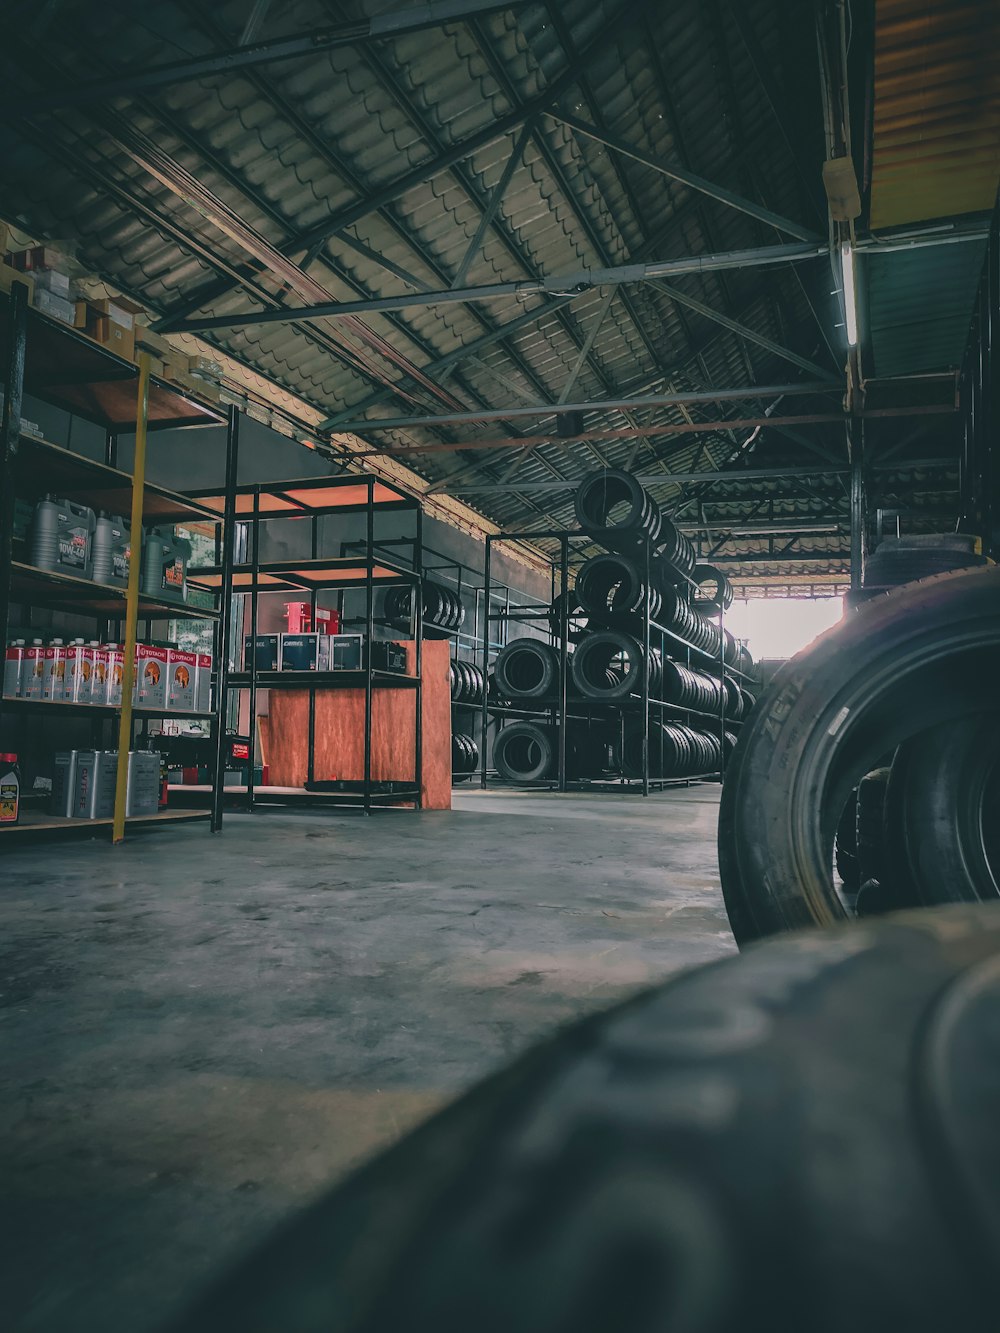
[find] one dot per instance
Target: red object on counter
(299, 616)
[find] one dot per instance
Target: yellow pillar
(132, 599)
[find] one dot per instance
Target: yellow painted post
(132, 600)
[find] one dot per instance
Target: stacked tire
(464, 756)
(528, 751)
(467, 684)
(675, 751)
(443, 611)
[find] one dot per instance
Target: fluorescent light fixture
(850, 296)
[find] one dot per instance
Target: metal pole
(255, 574)
(855, 444)
(132, 603)
(646, 663)
(311, 735)
(226, 612)
(563, 654)
(486, 659)
(369, 635)
(418, 598)
(10, 431)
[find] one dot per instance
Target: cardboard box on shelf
(57, 307)
(112, 323)
(153, 343)
(202, 365)
(52, 280)
(40, 257)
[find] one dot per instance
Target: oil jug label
(73, 547)
(8, 801)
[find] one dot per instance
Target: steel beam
(576, 283)
(688, 178)
(732, 475)
(745, 332)
(295, 46)
(754, 391)
(630, 432)
(303, 242)
(489, 212)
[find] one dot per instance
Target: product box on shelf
(305, 652)
(52, 280)
(387, 655)
(54, 674)
(164, 564)
(33, 670)
(182, 676)
(112, 658)
(96, 771)
(112, 323)
(142, 795)
(267, 655)
(13, 669)
(64, 784)
(78, 680)
(62, 536)
(203, 688)
(55, 306)
(151, 676)
(345, 652)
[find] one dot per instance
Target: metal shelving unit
(62, 367)
(560, 708)
(312, 499)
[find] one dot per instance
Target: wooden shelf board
(38, 822)
(64, 592)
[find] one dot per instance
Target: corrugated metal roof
(298, 145)
(936, 130)
(919, 304)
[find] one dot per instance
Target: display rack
(311, 500)
(559, 709)
(62, 367)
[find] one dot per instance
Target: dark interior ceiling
(523, 207)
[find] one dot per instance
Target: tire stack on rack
(610, 659)
(443, 611)
(467, 687)
(526, 674)
(605, 614)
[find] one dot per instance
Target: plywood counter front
(340, 732)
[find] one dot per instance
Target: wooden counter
(340, 734)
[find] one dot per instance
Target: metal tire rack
(312, 499)
(62, 367)
(560, 709)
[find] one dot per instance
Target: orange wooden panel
(339, 735)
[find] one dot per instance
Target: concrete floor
(198, 1035)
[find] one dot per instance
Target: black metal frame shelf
(101, 486)
(324, 680)
(564, 707)
(311, 499)
(70, 371)
(73, 372)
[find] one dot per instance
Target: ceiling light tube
(850, 296)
